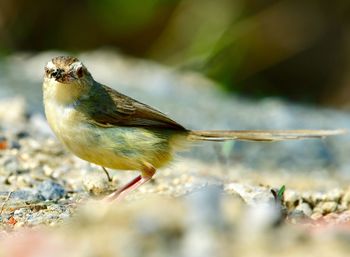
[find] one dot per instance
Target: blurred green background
(299, 50)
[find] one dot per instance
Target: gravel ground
(214, 200)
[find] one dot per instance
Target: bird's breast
(117, 147)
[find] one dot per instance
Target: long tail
(260, 135)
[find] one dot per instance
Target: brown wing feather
(120, 110)
(116, 109)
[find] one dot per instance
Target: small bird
(105, 127)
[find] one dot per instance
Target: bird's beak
(57, 74)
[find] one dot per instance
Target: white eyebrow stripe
(76, 65)
(50, 65)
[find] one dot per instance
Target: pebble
(316, 216)
(346, 198)
(48, 171)
(163, 188)
(317, 197)
(59, 171)
(65, 215)
(36, 218)
(304, 208)
(3, 180)
(291, 198)
(28, 195)
(22, 134)
(12, 180)
(95, 183)
(51, 190)
(252, 195)
(25, 181)
(334, 195)
(19, 213)
(325, 207)
(10, 164)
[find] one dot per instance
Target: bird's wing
(116, 109)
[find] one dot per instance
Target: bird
(105, 127)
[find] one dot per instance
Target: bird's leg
(107, 174)
(146, 175)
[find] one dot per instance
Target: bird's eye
(80, 72)
(54, 73)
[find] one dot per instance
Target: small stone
(291, 198)
(346, 198)
(304, 208)
(22, 134)
(2, 180)
(47, 170)
(11, 164)
(24, 181)
(317, 197)
(64, 215)
(3, 143)
(334, 195)
(326, 207)
(95, 183)
(316, 216)
(307, 197)
(59, 171)
(176, 181)
(115, 180)
(14, 145)
(26, 196)
(54, 208)
(162, 188)
(250, 194)
(11, 180)
(19, 212)
(51, 190)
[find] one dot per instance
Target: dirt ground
(213, 200)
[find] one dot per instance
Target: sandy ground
(214, 200)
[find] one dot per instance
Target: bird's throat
(62, 93)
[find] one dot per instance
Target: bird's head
(66, 70)
(66, 79)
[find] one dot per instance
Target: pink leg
(147, 174)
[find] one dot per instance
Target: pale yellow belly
(127, 148)
(118, 148)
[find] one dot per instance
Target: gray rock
(28, 195)
(51, 190)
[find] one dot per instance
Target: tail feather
(260, 135)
